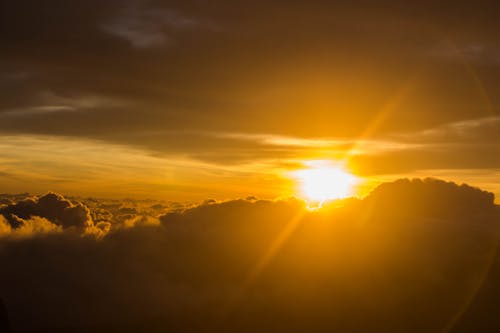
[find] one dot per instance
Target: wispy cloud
(352, 145)
(37, 110)
(48, 103)
(472, 131)
(147, 27)
(477, 53)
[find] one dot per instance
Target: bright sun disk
(322, 182)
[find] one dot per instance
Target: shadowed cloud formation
(410, 257)
(47, 213)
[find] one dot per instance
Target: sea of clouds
(413, 256)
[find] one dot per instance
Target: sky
(185, 100)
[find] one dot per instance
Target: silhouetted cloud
(19, 227)
(52, 209)
(411, 249)
(4, 318)
(430, 198)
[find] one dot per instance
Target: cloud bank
(48, 213)
(412, 249)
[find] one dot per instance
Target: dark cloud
(242, 67)
(433, 157)
(430, 198)
(18, 227)
(4, 318)
(469, 144)
(51, 206)
(408, 258)
(147, 27)
(48, 213)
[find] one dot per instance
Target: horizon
(294, 196)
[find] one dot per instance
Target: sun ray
(263, 261)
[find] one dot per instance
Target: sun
(324, 181)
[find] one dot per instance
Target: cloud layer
(412, 249)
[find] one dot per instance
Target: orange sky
(184, 100)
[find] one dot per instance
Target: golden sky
(186, 100)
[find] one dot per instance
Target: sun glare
(323, 181)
